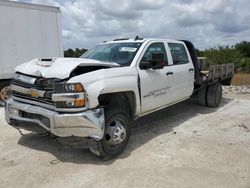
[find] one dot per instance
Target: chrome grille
(40, 99)
(24, 87)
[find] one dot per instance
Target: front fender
(111, 80)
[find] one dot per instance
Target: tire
(4, 91)
(117, 120)
(214, 95)
(202, 96)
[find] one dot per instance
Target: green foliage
(245, 65)
(199, 53)
(222, 55)
(244, 48)
(237, 54)
(74, 53)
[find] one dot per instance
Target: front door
(155, 85)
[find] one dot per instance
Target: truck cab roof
(142, 40)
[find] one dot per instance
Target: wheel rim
(115, 134)
(5, 93)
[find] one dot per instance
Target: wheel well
(121, 99)
(4, 82)
(226, 82)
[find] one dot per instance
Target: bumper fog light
(14, 111)
(70, 103)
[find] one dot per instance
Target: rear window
(179, 53)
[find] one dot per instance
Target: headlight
(46, 82)
(24, 78)
(69, 95)
(68, 88)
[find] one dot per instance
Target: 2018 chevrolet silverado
(98, 95)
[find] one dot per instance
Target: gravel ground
(236, 92)
(185, 145)
(236, 89)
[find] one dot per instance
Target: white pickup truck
(97, 96)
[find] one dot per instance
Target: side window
(178, 53)
(155, 47)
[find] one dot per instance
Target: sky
(207, 23)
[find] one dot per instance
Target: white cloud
(207, 23)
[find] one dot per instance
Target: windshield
(121, 53)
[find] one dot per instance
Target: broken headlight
(46, 82)
(68, 88)
(69, 95)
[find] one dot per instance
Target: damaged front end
(55, 106)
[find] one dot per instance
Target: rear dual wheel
(116, 134)
(214, 95)
(202, 96)
(210, 95)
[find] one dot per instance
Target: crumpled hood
(57, 67)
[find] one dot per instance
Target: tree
(244, 48)
(222, 55)
(245, 65)
(74, 53)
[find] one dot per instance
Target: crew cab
(99, 95)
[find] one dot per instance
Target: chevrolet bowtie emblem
(33, 93)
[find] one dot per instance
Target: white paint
(173, 88)
(60, 68)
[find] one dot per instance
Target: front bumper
(89, 123)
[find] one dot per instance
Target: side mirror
(145, 65)
(157, 61)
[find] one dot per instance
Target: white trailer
(27, 31)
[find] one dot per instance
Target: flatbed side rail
(222, 71)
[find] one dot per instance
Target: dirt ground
(240, 79)
(185, 145)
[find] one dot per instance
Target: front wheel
(116, 134)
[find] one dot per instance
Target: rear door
(183, 71)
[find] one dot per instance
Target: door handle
(191, 70)
(169, 73)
